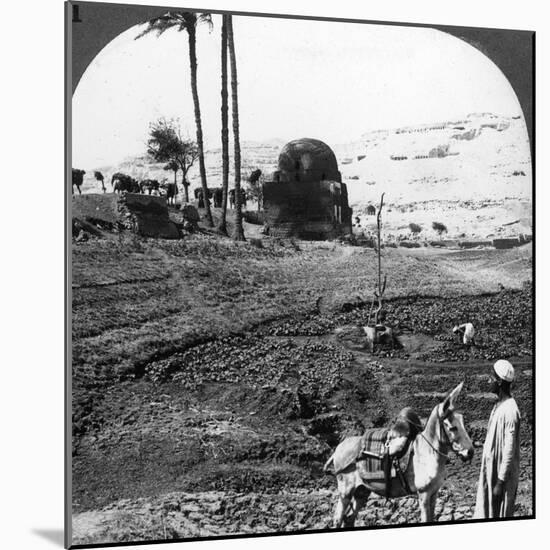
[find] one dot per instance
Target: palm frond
(182, 20)
(159, 25)
(206, 18)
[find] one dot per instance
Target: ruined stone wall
(347, 211)
(146, 215)
(92, 207)
(306, 210)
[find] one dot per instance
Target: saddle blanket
(352, 451)
(371, 468)
(373, 441)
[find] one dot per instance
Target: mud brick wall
(506, 243)
(306, 210)
(474, 244)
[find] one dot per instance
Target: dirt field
(209, 388)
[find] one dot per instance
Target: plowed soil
(210, 382)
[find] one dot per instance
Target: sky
(327, 80)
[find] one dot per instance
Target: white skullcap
(504, 370)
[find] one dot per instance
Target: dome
(308, 159)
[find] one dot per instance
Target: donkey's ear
(454, 394)
(449, 401)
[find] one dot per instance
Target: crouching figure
(465, 334)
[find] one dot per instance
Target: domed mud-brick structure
(306, 197)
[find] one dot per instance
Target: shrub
(415, 228)
(439, 227)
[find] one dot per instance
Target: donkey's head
(453, 426)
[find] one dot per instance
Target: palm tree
(239, 232)
(187, 21)
(222, 227)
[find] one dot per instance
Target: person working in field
(498, 479)
(466, 333)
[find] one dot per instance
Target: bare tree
(381, 284)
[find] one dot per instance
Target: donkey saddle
(381, 454)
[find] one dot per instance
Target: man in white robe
(466, 333)
(498, 480)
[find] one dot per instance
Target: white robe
(468, 333)
(500, 460)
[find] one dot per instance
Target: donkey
(425, 473)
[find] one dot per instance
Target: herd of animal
(121, 182)
(216, 194)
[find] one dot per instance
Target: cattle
(232, 198)
(124, 183)
(99, 177)
(149, 186)
(217, 195)
(199, 196)
(171, 193)
(78, 178)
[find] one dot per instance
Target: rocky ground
(210, 385)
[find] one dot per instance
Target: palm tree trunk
(222, 227)
(239, 232)
(191, 33)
